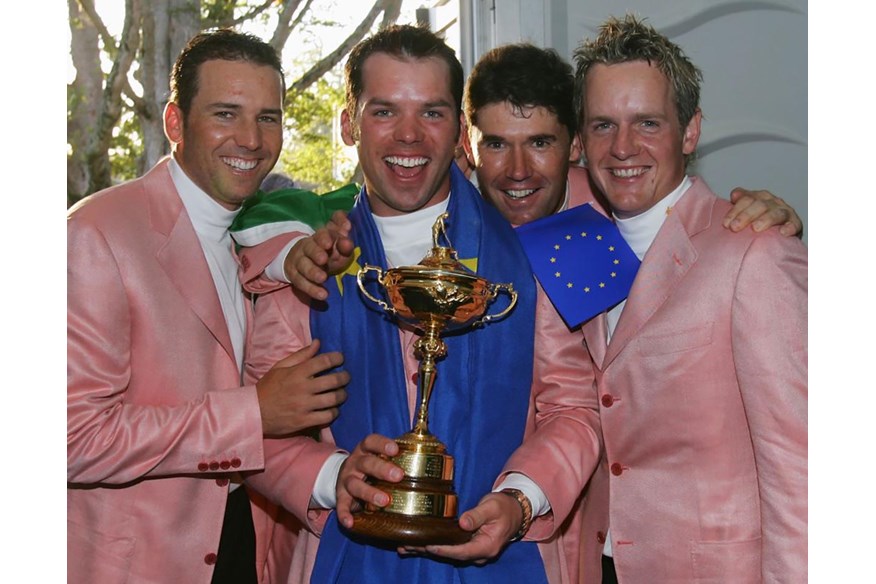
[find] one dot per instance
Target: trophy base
(403, 530)
(422, 508)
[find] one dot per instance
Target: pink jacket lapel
(668, 260)
(181, 255)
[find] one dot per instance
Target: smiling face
(633, 141)
(521, 160)
(232, 135)
(405, 129)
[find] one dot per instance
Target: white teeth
(240, 164)
(406, 162)
(519, 194)
(627, 172)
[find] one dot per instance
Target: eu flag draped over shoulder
(581, 261)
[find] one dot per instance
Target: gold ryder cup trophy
(435, 296)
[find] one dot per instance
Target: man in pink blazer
(702, 371)
(161, 432)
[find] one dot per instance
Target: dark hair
(222, 44)
(524, 76)
(400, 41)
(630, 39)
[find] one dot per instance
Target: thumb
(472, 519)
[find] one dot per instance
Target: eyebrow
(497, 138)
(237, 106)
(377, 102)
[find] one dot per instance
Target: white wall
(753, 55)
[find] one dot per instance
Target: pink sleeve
(254, 260)
(291, 464)
(132, 412)
(563, 440)
(770, 340)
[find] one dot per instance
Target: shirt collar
(209, 218)
(640, 231)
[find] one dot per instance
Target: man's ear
(465, 142)
(577, 148)
(692, 133)
(173, 123)
(349, 133)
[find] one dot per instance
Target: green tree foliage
(313, 154)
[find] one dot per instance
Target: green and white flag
(267, 215)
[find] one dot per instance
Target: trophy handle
(361, 274)
(509, 289)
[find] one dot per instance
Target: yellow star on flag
(470, 263)
(352, 270)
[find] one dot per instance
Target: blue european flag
(581, 260)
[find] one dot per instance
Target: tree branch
(333, 58)
(109, 45)
(232, 22)
(284, 27)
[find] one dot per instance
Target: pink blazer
(703, 402)
(156, 415)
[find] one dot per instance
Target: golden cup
(436, 296)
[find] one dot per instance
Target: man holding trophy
(499, 417)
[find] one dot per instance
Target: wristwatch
(525, 506)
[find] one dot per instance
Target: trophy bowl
(436, 296)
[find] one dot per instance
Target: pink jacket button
(214, 465)
(600, 537)
(222, 482)
(617, 469)
(235, 462)
(203, 467)
(607, 400)
(224, 465)
(210, 559)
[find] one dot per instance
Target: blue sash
(479, 404)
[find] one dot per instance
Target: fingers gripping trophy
(436, 296)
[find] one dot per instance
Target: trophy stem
(427, 349)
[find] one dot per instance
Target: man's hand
(761, 210)
(366, 461)
(494, 522)
(312, 259)
(293, 396)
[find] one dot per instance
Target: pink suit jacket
(157, 419)
(703, 395)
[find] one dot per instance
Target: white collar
(408, 238)
(210, 219)
(640, 231)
